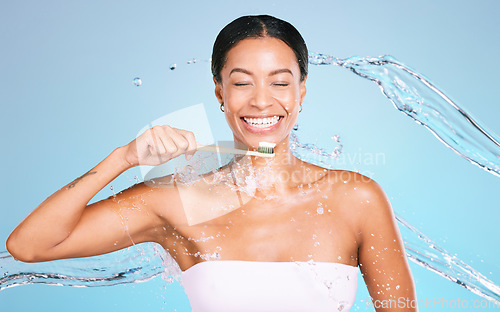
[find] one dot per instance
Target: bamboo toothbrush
(265, 150)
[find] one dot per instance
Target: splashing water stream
(409, 91)
(419, 98)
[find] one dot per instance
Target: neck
(276, 174)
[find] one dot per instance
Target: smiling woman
(286, 235)
(261, 90)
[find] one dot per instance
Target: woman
(287, 235)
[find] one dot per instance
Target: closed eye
(280, 84)
(241, 84)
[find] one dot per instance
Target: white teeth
(262, 122)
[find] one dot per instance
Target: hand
(158, 145)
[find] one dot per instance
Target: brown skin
(357, 226)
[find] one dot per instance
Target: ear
(303, 89)
(218, 91)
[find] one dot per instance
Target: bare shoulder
(366, 204)
(356, 186)
(358, 196)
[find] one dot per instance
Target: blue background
(68, 100)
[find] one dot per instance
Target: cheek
(291, 100)
(234, 99)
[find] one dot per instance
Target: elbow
(19, 251)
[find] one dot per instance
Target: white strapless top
(241, 286)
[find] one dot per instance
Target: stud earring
(222, 107)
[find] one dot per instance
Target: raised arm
(64, 226)
(382, 257)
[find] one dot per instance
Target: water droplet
(336, 138)
(296, 127)
(320, 210)
(173, 66)
(337, 151)
(397, 286)
(137, 82)
(192, 61)
(316, 244)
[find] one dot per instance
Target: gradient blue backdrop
(68, 100)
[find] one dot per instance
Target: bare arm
(41, 236)
(64, 226)
(382, 257)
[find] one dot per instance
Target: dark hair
(254, 26)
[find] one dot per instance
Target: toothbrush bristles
(266, 148)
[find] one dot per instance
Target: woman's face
(261, 90)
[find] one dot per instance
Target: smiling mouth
(265, 122)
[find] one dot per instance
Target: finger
(155, 143)
(162, 146)
(180, 141)
(168, 143)
(192, 145)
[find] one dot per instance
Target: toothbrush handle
(230, 150)
(220, 149)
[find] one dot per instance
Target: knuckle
(183, 144)
(172, 149)
(152, 132)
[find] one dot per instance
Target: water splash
(138, 263)
(416, 96)
(426, 253)
(310, 152)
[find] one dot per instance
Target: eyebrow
(274, 72)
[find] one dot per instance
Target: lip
(257, 130)
(262, 116)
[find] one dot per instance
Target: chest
(289, 229)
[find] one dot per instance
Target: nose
(261, 97)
